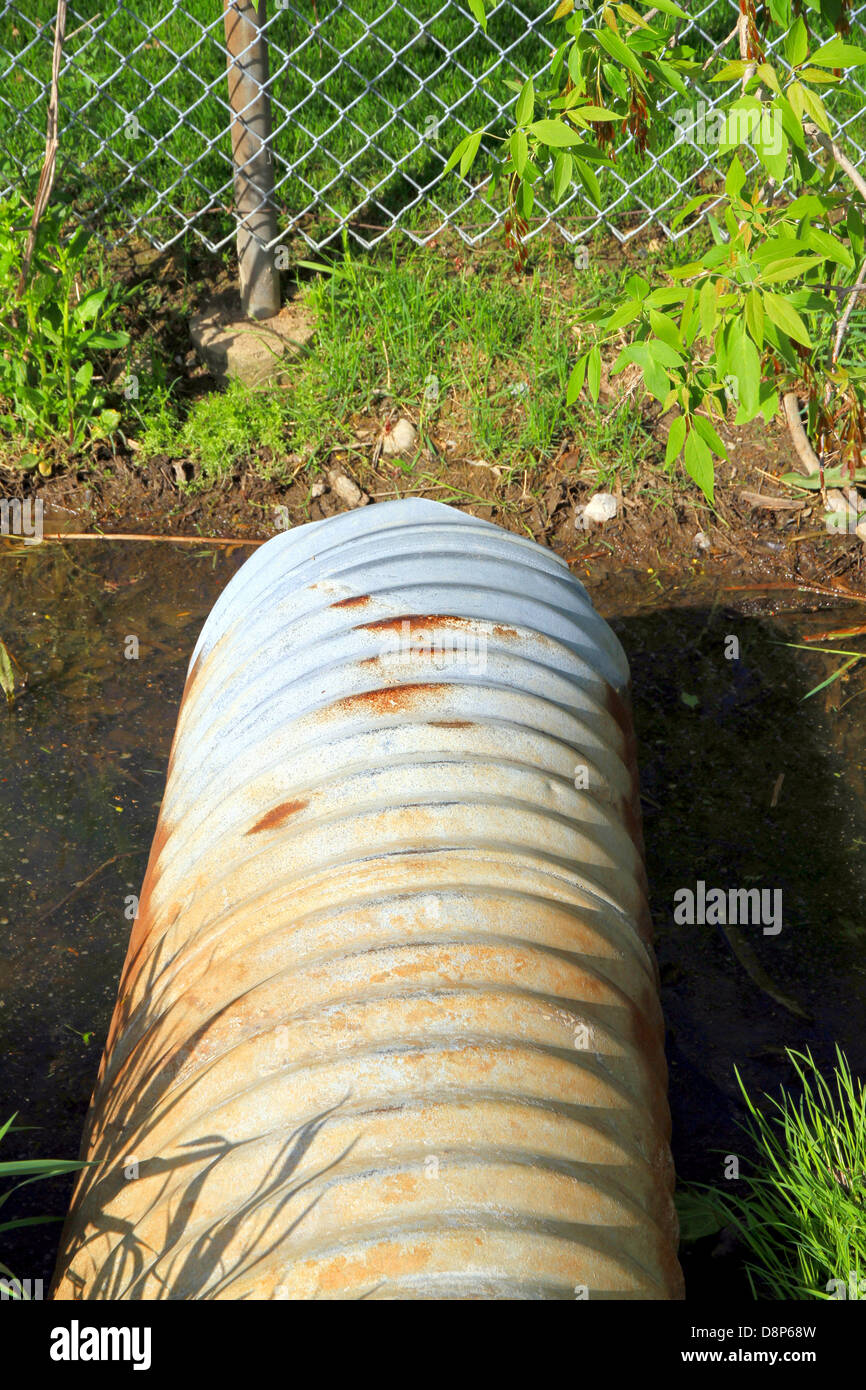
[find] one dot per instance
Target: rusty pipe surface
(389, 1024)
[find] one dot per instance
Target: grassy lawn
(475, 355)
(348, 107)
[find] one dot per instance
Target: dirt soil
(662, 524)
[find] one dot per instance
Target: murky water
(745, 786)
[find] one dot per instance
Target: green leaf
(676, 438)
(709, 436)
(519, 147)
(631, 14)
(785, 316)
(668, 7)
(755, 316)
(769, 401)
(829, 246)
(771, 146)
(666, 329)
(816, 75)
(618, 50)
(111, 341)
(589, 181)
(476, 9)
(843, 669)
(625, 313)
(741, 120)
(593, 372)
(767, 73)
(108, 421)
(457, 153)
(735, 178)
(554, 133)
(667, 294)
(575, 65)
(790, 268)
(525, 105)
(663, 353)
(598, 113)
(562, 171)
(7, 676)
(615, 80)
(707, 308)
(743, 358)
(576, 380)
(797, 42)
(90, 306)
(698, 1215)
(733, 70)
(791, 122)
(806, 102)
(688, 208)
(469, 153)
(654, 375)
(832, 478)
(699, 463)
(559, 58)
(837, 54)
(667, 72)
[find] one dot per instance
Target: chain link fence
(367, 98)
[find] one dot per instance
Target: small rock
(346, 490)
(702, 541)
(601, 507)
(317, 489)
(400, 438)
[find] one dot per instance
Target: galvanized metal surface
(249, 99)
(389, 1023)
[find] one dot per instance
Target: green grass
(331, 143)
(800, 1210)
(482, 356)
(223, 432)
(29, 1170)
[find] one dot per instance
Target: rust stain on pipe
(355, 602)
(407, 1043)
(278, 816)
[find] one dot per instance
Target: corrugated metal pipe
(389, 1023)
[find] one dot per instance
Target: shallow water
(83, 754)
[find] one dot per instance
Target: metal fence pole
(247, 55)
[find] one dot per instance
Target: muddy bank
(662, 522)
(672, 534)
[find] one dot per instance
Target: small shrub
(51, 339)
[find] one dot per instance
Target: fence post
(247, 57)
